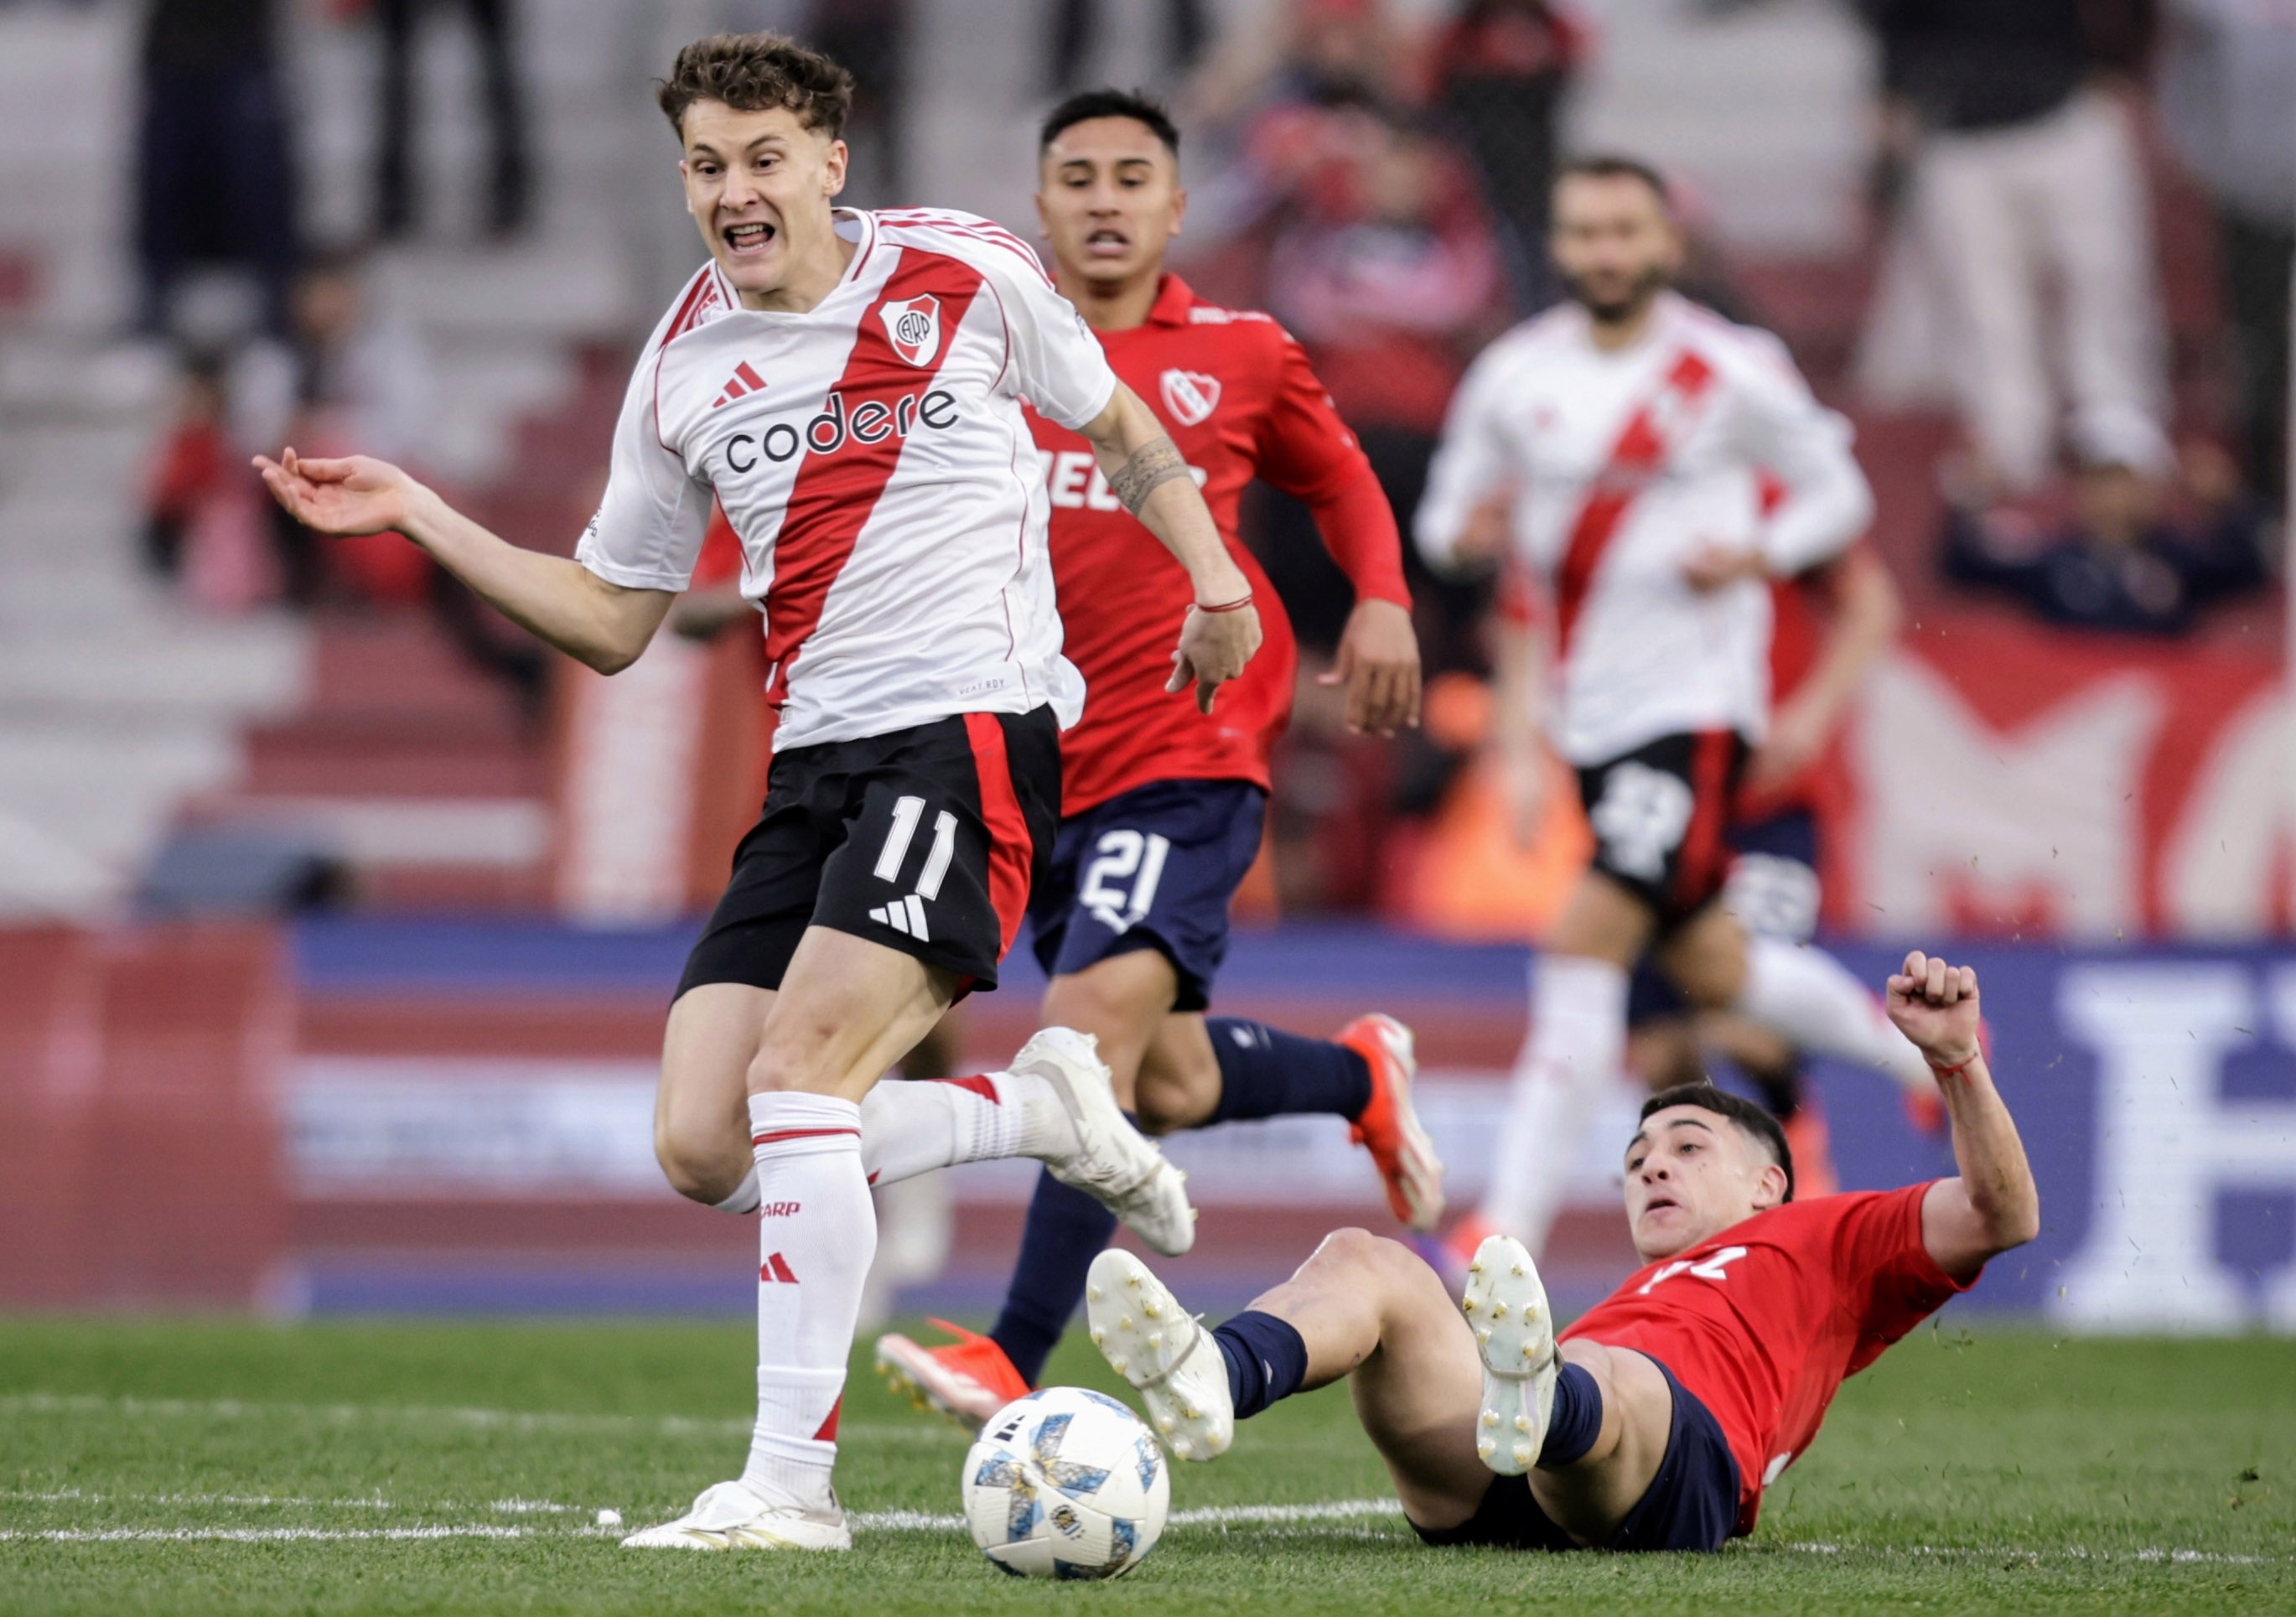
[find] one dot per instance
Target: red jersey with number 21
(1766, 1320)
(1240, 400)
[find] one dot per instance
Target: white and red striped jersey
(1616, 467)
(872, 455)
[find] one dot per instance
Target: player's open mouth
(749, 238)
(1107, 243)
(1656, 1203)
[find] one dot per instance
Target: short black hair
(1740, 1110)
(1108, 102)
(1617, 166)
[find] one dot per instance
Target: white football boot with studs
(1113, 1163)
(729, 1515)
(1165, 1352)
(1505, 1304)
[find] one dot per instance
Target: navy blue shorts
(1153, 867)
(1772, 888)
(1691, 1504)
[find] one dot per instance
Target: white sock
(744, 1198)
(817, 1232)
(910, 1127)
(1805, 994)
(1578, 1042)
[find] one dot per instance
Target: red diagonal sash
(835, 495)
(1641, 450)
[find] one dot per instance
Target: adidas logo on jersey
(903, 916)
(740, 384)
(776, 1268)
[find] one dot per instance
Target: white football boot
(1165, 1352)
(1113, 1163)
(1514, 1332)
(730, 1517)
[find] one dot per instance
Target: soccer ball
(1066, 1483)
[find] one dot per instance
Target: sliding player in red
(1658, 1419)
(1162, 805)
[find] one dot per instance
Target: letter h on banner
(2168, 1144)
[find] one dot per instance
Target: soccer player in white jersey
(1614, 446)
(849, 387)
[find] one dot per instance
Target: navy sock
(1575, 1420)
(1267, 1072)
(1066, 1230)
(1266, 1360)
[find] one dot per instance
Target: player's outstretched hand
(357, 494)
(1214, 647)
(1378, 662)
(1935, 1005)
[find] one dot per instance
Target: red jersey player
(1161, 806)
(1661, 1416)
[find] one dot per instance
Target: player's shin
(1578, 1040)
(1805, 994)
(910, 1127)
(1066, 1229)
(1267, 1072)
(817, 1232)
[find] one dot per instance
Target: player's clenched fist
(357, 494)
(1214, 647)
(1935, 1005)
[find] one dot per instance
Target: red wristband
(1953, 1071)
(1236, 606)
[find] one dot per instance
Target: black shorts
(1772, 890)
(1657, 814)
(926, 840)
(1153, 867)
(1691, 1504)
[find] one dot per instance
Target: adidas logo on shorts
(903, 916)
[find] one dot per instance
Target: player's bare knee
(697, 1168)
(1360, 1258)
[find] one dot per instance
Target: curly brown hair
(756, 73)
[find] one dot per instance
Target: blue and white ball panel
(1066, 1483)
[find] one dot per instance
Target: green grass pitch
(174, 1466)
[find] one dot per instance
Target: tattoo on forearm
(1151, 465)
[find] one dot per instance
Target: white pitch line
(1212, 1515)
(233, 1408)
(75, 1496)
(2070, 1552)
(911, 1520)
(264, 1535)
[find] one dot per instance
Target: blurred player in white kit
(1616, 447)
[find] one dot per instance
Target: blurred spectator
(2120, 563)
(870, 39)
(1301, 52)
(192, 459)
(204, 523)
(1385, 266)
(2228, 96)
(397, 202)
(1501, 70)
(354, 379)
(1074, 24)
(2025, 172)
(215, 180)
